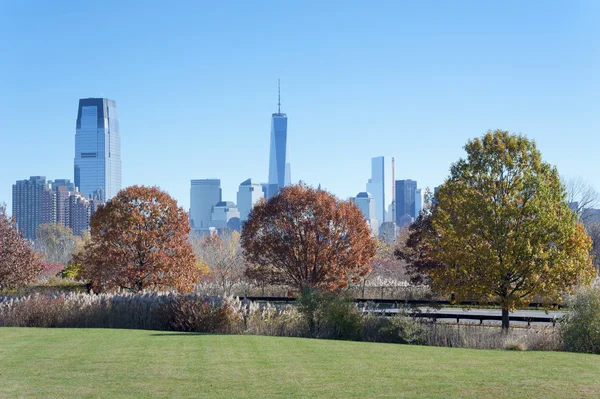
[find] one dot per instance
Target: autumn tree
(19, 264)
(308, 237)
(222, 254)
(501, 229)
(139, 240)
(55, 242)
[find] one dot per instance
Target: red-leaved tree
(19, 264)
(307, 237)
(139, 240)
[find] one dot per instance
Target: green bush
(403, 330)
(329, 315)
(580, 329)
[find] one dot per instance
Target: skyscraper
(405, 200)
(279, 162)
(32, 204)
(97, 149)
(418, 202)
(204, 194)
(380, 186)
(249, 193)
(368, 207)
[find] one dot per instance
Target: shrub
(329, 315)
(580, 329)
(195, 314)
(403, 330)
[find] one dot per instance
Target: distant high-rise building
(405, 200)
(380, 186)
(37, 201)
(418, 203)
(225, 215)
(63, 189)
(279, 159)
(97, 149)
(368, 207)
(248, 194)
(27, 199)
(204, 194)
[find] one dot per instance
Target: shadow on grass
(184, 334)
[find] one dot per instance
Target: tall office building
(97, 149)
(380, 186)
(204, 194)
(32, 204)
(405, 200)
(225, 215)
(418, 202)
(367, 205)
(249, 193)
(279, 161)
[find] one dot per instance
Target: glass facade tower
(380, 186)
(204, 195)
(98, 149)
(405, 199)
(279, 159)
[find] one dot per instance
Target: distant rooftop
(226, 204)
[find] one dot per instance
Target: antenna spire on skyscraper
(278, 96)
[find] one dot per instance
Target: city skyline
(407, 80)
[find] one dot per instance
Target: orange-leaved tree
(19, 264)
(139, 240)
(308, 237)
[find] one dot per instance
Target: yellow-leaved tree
(501, 229)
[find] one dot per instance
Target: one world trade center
(279, 159)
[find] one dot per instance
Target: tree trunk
(505, 319)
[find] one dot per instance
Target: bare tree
(581, 197)
(56, 242)
(223, 256)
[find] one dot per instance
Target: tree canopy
(19, 264)
(307, 237)
(139, 240)
(501, 229)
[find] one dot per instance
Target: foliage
(580, 328)
(403, 330)
(195, 314)
(50, 270)
(501, 229)
(56, 243)
(139, 241)
(72, 271)
(329, 315)
(221, 259)
(309, 237)
(19, 264)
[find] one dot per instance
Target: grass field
(78, 363)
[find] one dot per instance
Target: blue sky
(196, 83)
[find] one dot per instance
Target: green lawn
(79, 363)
